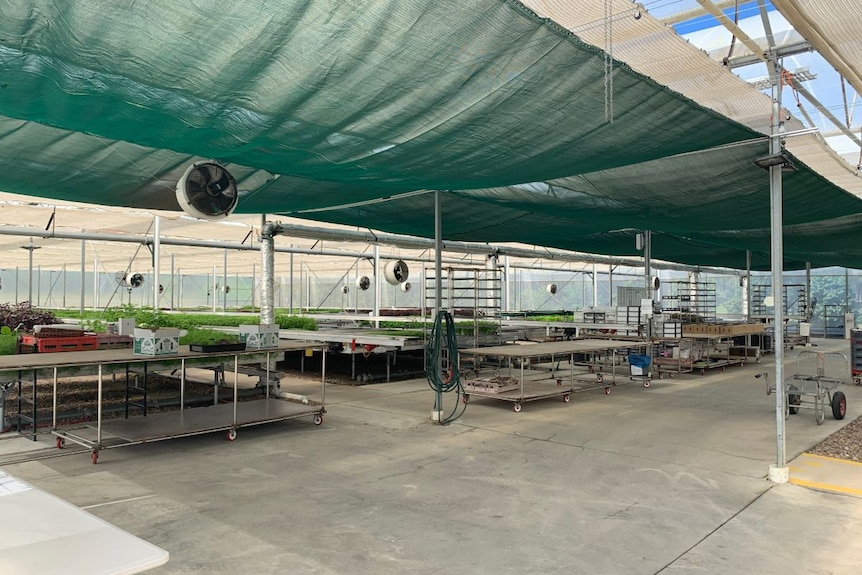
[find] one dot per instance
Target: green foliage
(208, 337)
(285, 321)
(554, 317)
(461, 327)
(149, 317)
(8, 341)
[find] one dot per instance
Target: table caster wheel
(61, 443)
(516, 407)
(607, 391)
(465, 398)
(231, 434)
(647, 383)
(318, 419)
(95, 457)
(566, 398)
(600, 378)
(660, 375)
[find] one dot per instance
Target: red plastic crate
(55, 344)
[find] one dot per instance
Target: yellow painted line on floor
(835, 459)
(826, 487)
(791, 468)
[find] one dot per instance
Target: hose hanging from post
(452, 379)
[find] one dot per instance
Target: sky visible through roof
(708, 34)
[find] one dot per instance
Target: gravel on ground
(846, 443)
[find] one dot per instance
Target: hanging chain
(609, 62)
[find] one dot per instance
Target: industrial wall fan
(396, 272)
(207, 191)
(130, 280)
(363, 283)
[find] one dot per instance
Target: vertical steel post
(777, 473)
(224, 283)
(507, 277)
(173, 280)
(30, 281)
(378, 275)
(437, 415)
(746, 289)
(595, 286)
(267, 270)
(611, 285)
(290, 293)
(83, 273)
(157, 260)
(96, 302)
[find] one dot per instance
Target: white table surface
(41, 534)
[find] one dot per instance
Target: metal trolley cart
(813, 385)
(536, 377)
(227, 417)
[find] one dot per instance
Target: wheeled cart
(536, 379)
(226, 417)
(813, 385)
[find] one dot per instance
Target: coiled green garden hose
(450, 381)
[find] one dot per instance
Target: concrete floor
(642, 481)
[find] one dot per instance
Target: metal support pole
(30, 247)
(648, 262)
(778, 473)
(290, 293)
(356, 289)
(746, 286)
(96, 298)
(224, 283)
(157, 260)
(808, 293)
(507, 277)
(83, 273)
(437, 414)
(378, 275)
(64, 286)
(267, 284)
(253, 285)
(308, 286)
(214, 289)
(611, 286)
(173, 280)
(595, 286)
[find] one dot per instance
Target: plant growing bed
(216, 347)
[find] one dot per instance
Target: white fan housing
(396, 272)
(552, 288)
(405, 287)
(363, 283)
(207, 191)
(134, 280)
